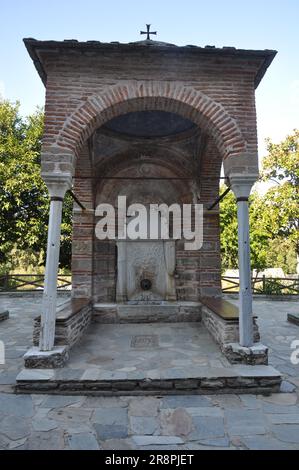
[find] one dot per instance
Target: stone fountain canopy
(156, 123)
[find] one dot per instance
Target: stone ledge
(171, 312)
(68, 309)
(293, 318)
(4, 315)
(221, 307)
(33, 293)
(235, 379)
(273, 297)
(42, 375)
(56, 358)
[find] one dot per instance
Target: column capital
(241, 185)
(58, 185)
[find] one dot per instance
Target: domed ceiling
(149, 124)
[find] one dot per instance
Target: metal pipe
(145, 178)
(219, 198)
(77, 200)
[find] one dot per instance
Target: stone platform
(160, 422)
(168, 358)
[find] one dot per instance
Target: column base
(253, 355)
(54, 359)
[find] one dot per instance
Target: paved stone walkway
(172, 422)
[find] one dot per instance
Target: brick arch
(165, 96)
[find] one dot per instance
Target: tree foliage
(24, 201)
(274, 216)
(259, 237)
(228, 231)
(281, 202)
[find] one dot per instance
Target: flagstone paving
(161, 423)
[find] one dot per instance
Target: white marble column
(57, 189)
(241, 186)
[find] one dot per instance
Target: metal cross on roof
(148, 32)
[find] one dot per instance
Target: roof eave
(33, 45)
(36, 60)
(263, 69)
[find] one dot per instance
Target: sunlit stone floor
(155, 348)
(172, 422)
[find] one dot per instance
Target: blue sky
(254, 24)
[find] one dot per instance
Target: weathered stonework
(4, 315)
(226, 333)
(152, 122)
(54, 359)
(212, 88)
(258, 379)
(191, 279)
(255, 355)
(140, 313)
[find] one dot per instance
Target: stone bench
(4, 315)
(222, 308)
(221, 318)
(72, 318)
(293, 318)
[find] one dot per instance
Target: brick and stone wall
(83, 228)
(94, 262)
(228, 85)
(88, 84)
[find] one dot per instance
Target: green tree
(274, 217)
(281, 254)
(228, 231)
(280, 211)
(24, 202)
(259, 238)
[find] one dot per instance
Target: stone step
(199, 380)
(167, 312)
